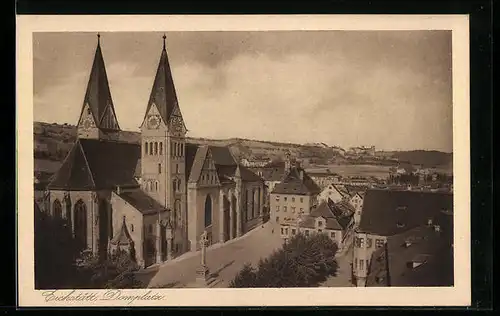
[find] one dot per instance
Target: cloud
(389, 89)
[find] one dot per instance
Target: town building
(422, 256)
(296, 194)
(159, 196)
(356, 200)
(334, 192)
(255, 162)
(324, 178)
(387, 213)
(333, 219)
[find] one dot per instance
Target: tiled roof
(387, 212)
(224, 162)
(191, 150)
(198, 162)
(431, 249)
(222, 156)
(141, 201)
(97, 164)
(328, 211)
(273, 174)
(293, 184)
(163, 93)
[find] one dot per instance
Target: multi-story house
(387, 213)
(296, 194)
(422, 256)
(327, 218)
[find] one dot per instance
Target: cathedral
(156, 198)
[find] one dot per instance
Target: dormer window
(429, 222)
(320, 224)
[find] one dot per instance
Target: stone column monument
(202, 273)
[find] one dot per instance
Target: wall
(330, 192)
(75, 196)
(134, 222)
(278, 200)
(196, 214)
(357, 202)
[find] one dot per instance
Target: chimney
(118, 190)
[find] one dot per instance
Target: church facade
(156, 198)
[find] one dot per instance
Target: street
(225, 260)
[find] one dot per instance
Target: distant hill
(53, 141)
(427, 158)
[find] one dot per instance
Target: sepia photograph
(250, 159)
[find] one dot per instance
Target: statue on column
(202, 273)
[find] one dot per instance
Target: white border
(459, 24)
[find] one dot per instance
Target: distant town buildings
(362, 150)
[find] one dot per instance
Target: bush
(303, 262)
(116, 272)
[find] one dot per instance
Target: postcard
(233, 160)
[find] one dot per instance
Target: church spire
(98, 111)
(163, 93)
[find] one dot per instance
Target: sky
(390, 89)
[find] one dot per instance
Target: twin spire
(98, 103)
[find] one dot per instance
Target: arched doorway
(227, 223)
(57, 209)
(80, 213)
(68, 210)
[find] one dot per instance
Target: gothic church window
(80, 228)
(208, 211)
(146, 148)
(151, 148)
(156, 148)
(161, 148)
(57, 209)
(159, 167)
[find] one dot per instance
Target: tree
(55, 252)
(303, 262)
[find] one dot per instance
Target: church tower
(98, 118)
(163, 146)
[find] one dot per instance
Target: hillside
(53, 141)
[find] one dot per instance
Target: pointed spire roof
(98, 94)
(163, 93)
(122, 238)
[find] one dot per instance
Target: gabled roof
(98, 94)
(141, 201)
(389, 212)
(335, 220)
(293, 183)
(198, 162)
(163, 93)
(95, 164)
(122, 237)
(273, 174)
(224, 162)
